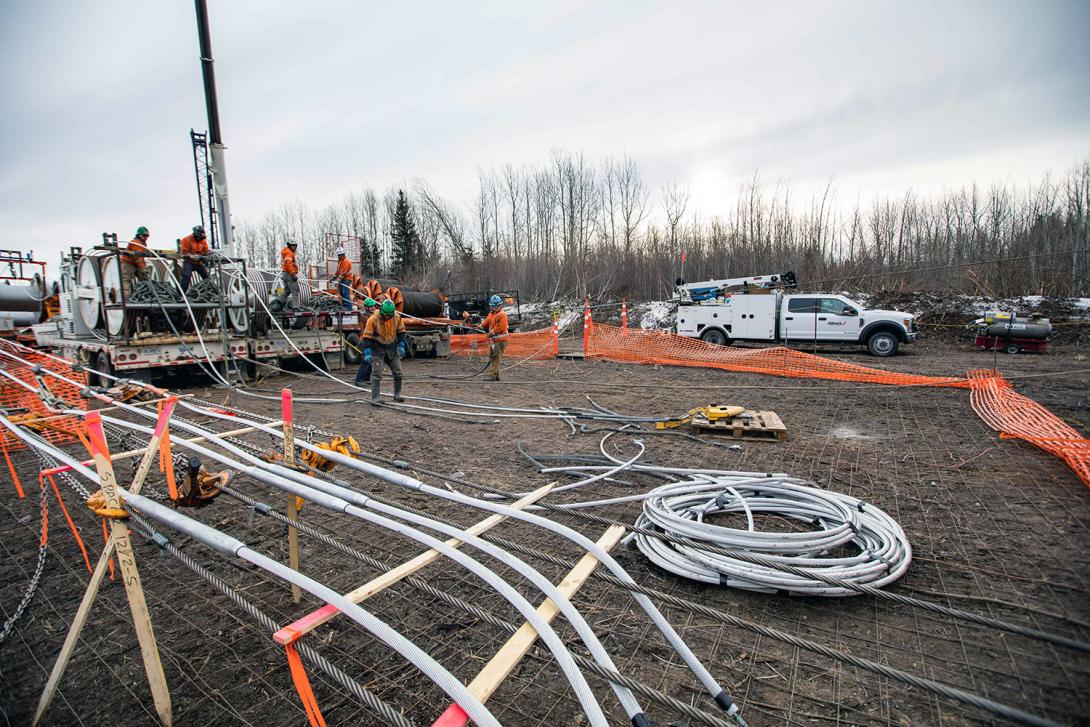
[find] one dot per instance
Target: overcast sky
(319, 98)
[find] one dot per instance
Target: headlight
(908, 323)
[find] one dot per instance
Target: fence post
(292, 508)
(556, 334)
(588, 323)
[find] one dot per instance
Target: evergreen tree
(405, 247)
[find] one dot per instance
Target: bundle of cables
(844, 538)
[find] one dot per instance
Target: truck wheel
(352, 353)
(715, 337)
(883, 343)
(103, 364)
(1013, 348)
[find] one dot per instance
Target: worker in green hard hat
(384, 339)
(134, 265)
(363, 375)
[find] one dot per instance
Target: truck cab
(737, 310)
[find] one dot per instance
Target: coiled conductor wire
(845, 538)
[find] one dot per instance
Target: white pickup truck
(760, 312)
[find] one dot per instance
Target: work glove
(367, 355)
(401, 349)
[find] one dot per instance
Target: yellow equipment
(711, 413)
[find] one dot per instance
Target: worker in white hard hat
(343, 277)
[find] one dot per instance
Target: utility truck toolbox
(758, 308)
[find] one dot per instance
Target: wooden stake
(516, 647)
(130, 576)
(292, 511)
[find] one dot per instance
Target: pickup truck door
(837, 320)
(799, 318)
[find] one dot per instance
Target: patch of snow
(657, 314)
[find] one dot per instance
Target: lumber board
(500, 666)
(130, 576)
(292, 509)
(316, 618)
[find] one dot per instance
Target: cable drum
(837, 522)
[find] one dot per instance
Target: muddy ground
(997, 527)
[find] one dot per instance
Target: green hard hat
(370, 303)
(142, 231)
(388, 307)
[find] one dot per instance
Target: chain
(32, 587)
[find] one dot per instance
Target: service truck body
(771, 315)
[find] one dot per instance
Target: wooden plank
(500, 666)
(130, 576)
(91, 591)
(316, 618)
(291, 510)
(195, 440)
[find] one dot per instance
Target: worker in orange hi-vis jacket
(384, 341)
(289, 276)
(342, 278)
(134, 266)
(194, 249)
(495, 325)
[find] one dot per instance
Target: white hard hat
(339, 251)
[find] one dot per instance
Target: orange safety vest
(344, 268)
(382, 330)
(137, 262)
(287, 261)
(190, 245)
(496, 325)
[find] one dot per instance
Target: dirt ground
(997, 527)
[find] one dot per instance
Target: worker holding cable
(495, 326)
(363, 374)
(289, 273)
(342, 278)
(194, 249)
(384, 341)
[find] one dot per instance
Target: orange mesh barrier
(661, 347)
(1014, 415)
(527, 344)
(27, 408)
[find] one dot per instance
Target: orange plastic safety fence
(524, 344)
(661, 347)
(26, 407)
(1014, 415)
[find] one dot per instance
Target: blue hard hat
(495, 301)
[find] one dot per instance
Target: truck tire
(883, 343)
(352, 353)
(1013, 348)
(103, 364)
(715, 337)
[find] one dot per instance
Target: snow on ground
(656, 314)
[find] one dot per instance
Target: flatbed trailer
(143, 358)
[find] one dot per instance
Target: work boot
(376, 396)
(397, 391)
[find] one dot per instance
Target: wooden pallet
(752, 425)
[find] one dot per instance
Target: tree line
(571, 228)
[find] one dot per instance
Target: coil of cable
(844, 537)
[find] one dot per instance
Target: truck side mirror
(848, 311)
